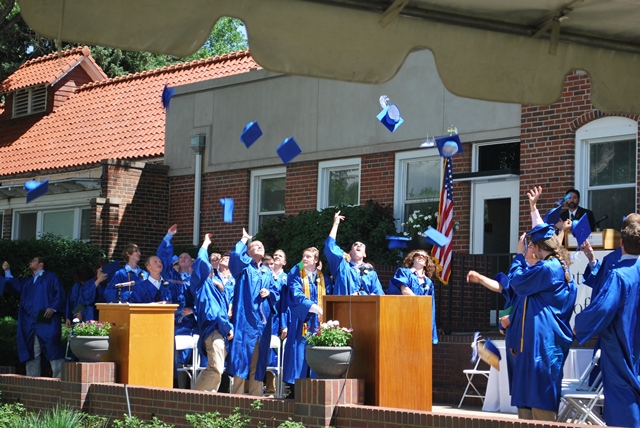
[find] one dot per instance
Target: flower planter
(329, 362)
(89, 348)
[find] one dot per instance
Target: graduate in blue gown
(254, 300)
(155, 288)
(613, 316)
(414, 279)
(547, 296)
(307, 288)
(82, 296)
(130, 272)
(213, 320)
(42, 306)
(353, 276)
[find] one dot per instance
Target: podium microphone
(597, 223)
(125, 284)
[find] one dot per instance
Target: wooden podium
(391, 347)
(141, 342)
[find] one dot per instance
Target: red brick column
(77, 377)
(316, 399)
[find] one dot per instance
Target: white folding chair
(470, 373)
(278, 345)
(581, 402)
(189, 342)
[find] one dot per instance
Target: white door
(494, 217)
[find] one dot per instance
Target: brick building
(99, 141)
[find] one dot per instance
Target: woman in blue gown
(414, 279)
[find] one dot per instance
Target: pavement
(470, 410)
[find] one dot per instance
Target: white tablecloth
(498, 399)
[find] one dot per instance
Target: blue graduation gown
(613, 315)
(295, 364)
(404, 276)
(347, 278)
(146, 292)
(123, 275)
(211, 307)
(546, 304)
(281, 316)
(47, 292)
(82, 294)
(251, 313)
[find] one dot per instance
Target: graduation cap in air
(449, 145)
(436, 238)
(553, 216)
(288, 150)
(398, 241)
(541, 232)
(227, 209)
(390, 114)
(174, 259)
(581, 229)
(35, 189)
(489, 354)
(111, 268)
(167, 93)
(250, 133)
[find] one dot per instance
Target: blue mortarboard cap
(553, 215)
(435, 237)
(174, 259)
(390, 117)
(581, 230)
(36, 189)
(541, 232)
(490, 354)
(449, 145)
(227, 209)
(398, 241)
(288, 150)
(250, 133)
(167, 93)
(111, 268)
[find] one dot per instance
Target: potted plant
(89, 340)
(328, 350)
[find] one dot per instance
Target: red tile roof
(47, 69)
(121, 118)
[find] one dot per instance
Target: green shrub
(64, 255)
(369, 223)
(235, 420)
(11, 414)
(8, 343)
(58, 417)
(134, 422)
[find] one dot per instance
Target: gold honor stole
(307, 292)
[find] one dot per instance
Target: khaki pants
(255, 387)
(536, 414)
(33, 366)
(209, 378)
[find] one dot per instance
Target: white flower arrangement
(418, 222)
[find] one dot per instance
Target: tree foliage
(369, 223)
(19, 43)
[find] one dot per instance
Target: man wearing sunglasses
(351, 275)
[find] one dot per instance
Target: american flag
(442, 255)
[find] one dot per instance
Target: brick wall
(318, 403)
(547, 153)
(137, 208)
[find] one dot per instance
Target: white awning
(500, 50)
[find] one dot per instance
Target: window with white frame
(417, 183)
(74, 223)
(338, 183)
(29, 100)
(606, 168)
(268, 188)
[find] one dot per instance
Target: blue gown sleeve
(238, 259)
(334, 255)
(400, 278)
(165, 254)
(602, 309)
(298, 302)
